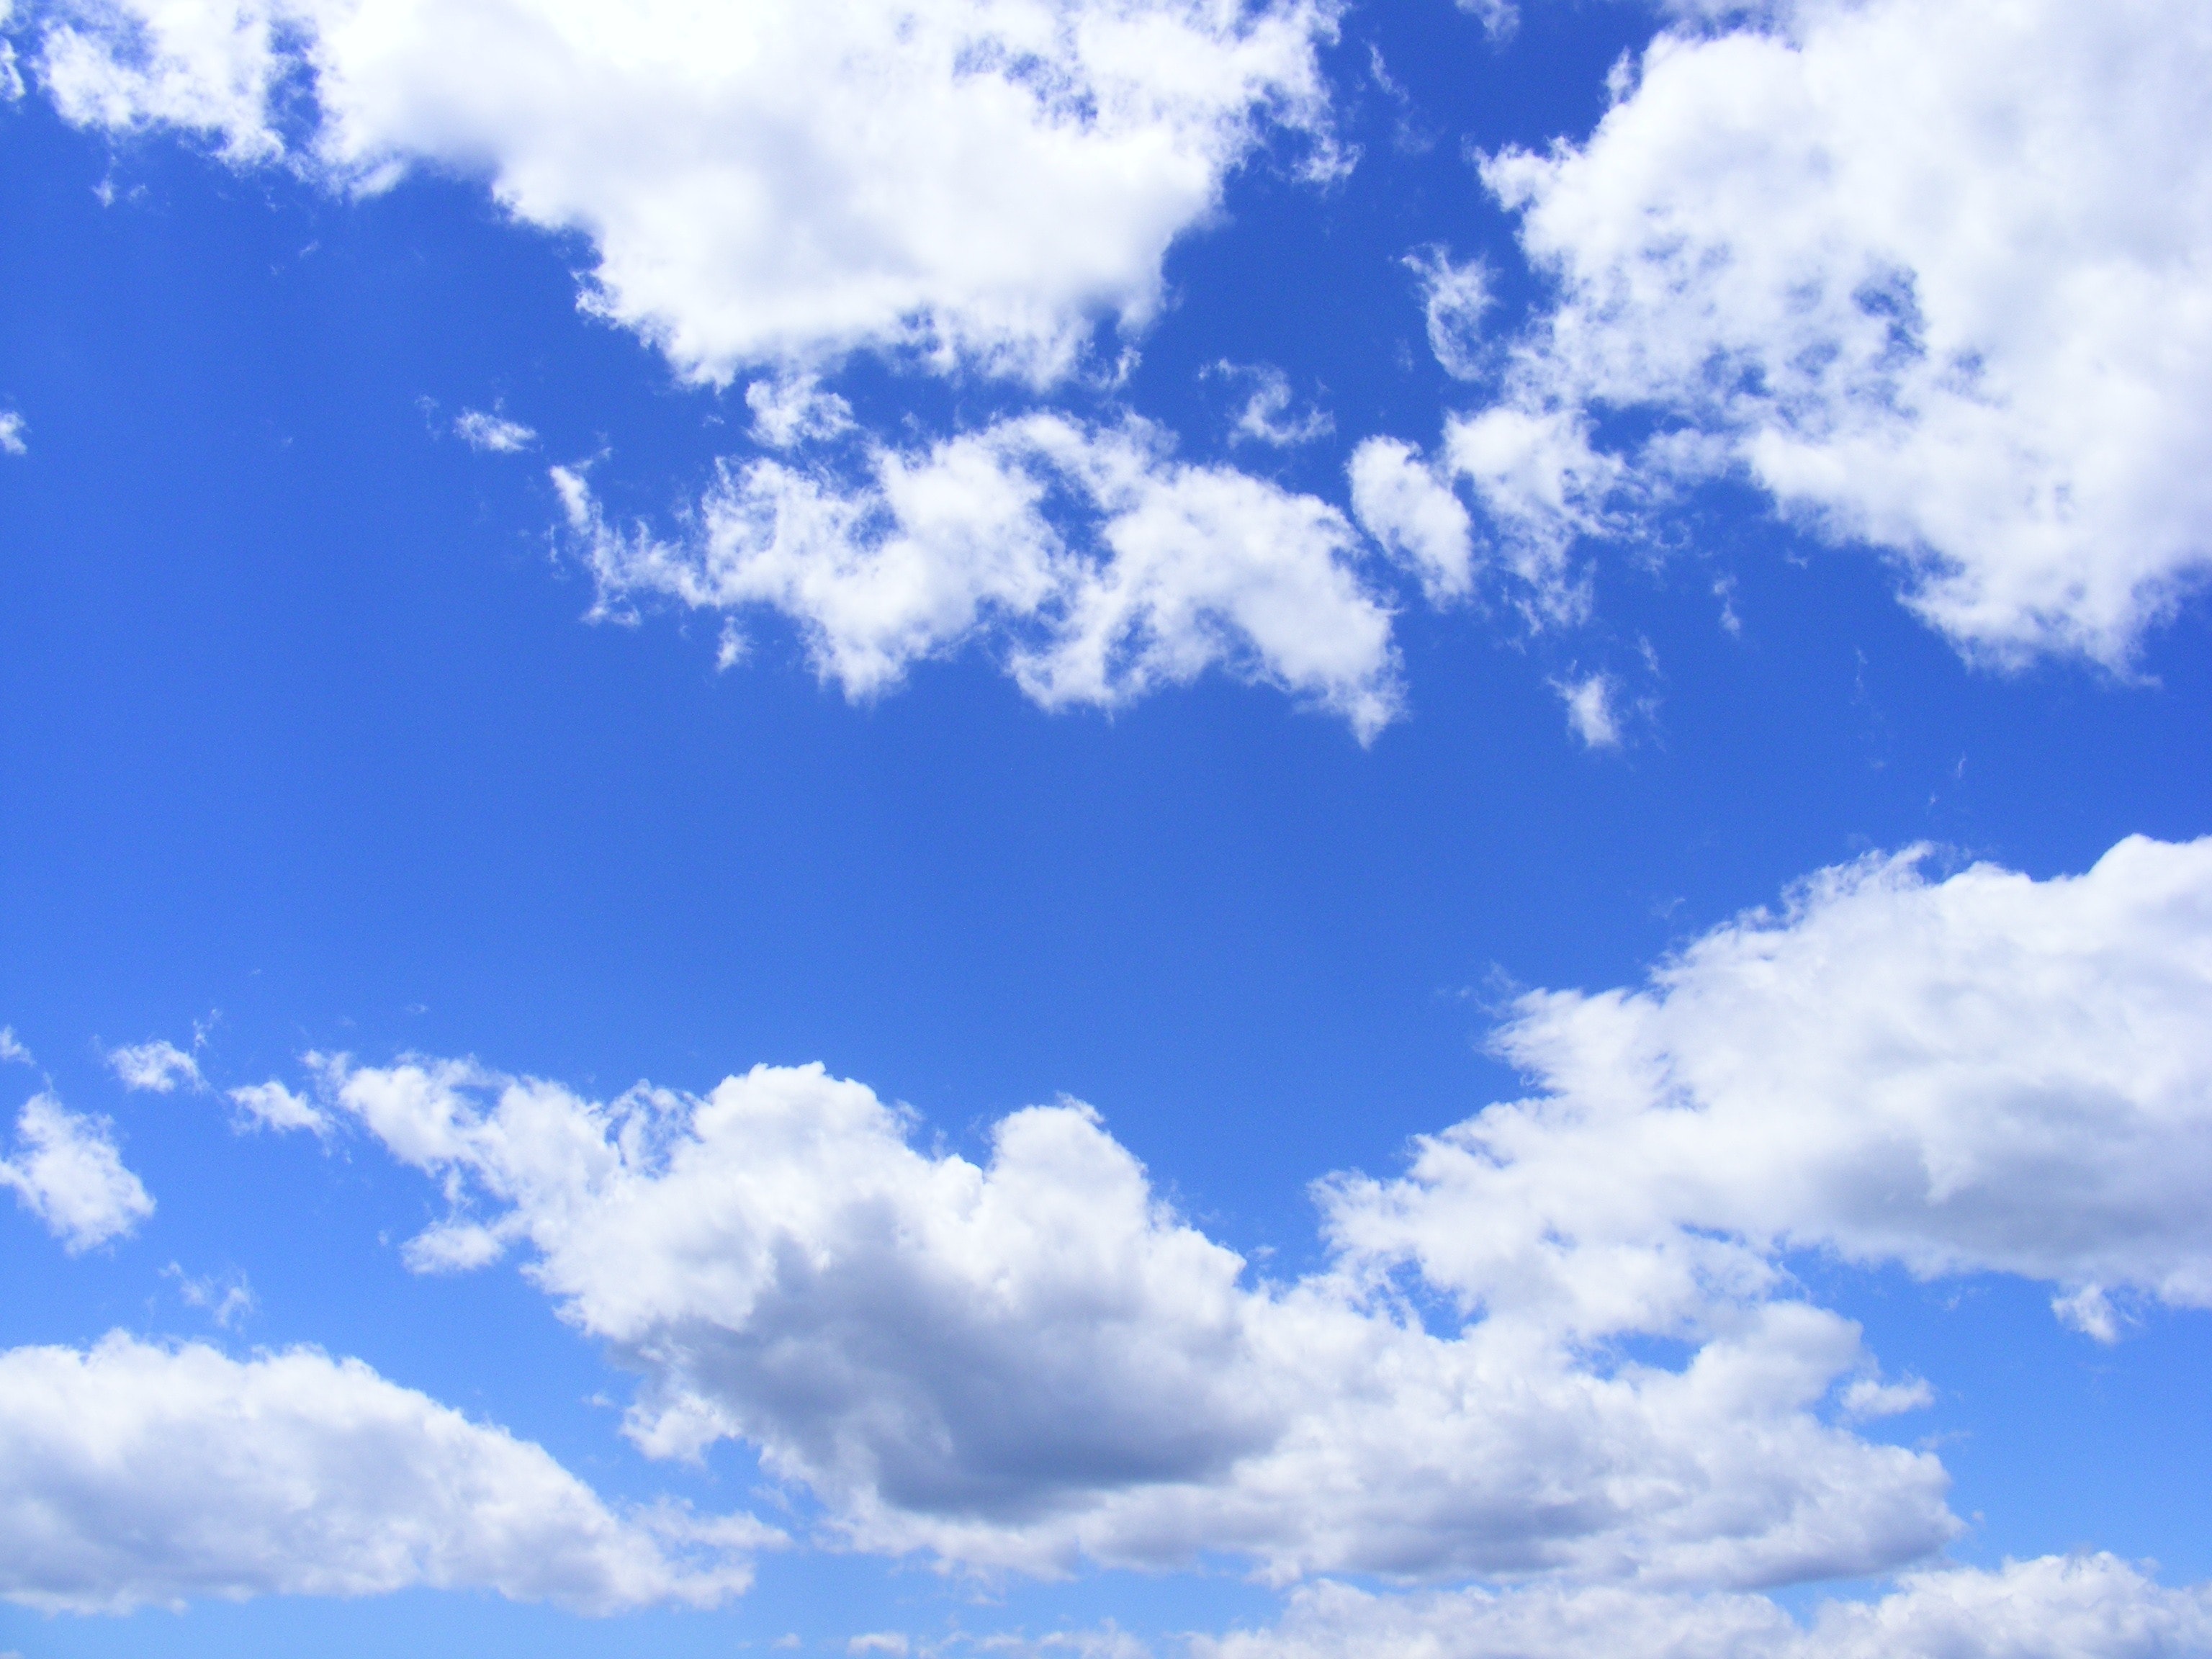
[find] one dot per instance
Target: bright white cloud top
(1932, 276)
(1035, 1360)
(976, 181)
(68, 1171)
(133, 1473)
(1181, 567)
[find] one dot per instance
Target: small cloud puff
(154, 1067)
(273, 1106)
(69, 1173)
(12, 428)
(1591, 712)
(11, 1047)
(492, 434)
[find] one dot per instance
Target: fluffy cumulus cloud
(974, 179)
(2058, 1607)
(1987, 1074)
(68, 1171)
(133, 1473)
(1932, 276)
(1032, 1359)
(1170, 569)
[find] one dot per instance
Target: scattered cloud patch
(2082, 1606)
(1023, 169)
(272, 1106)
(12, 1051)
(143, 1473)
(1592, 713)
(68, 1172)
(1103, 568)
(1266, 416)
(155, 1067)
(1932, 279)
(795, 409)
(492, 434)
(12, 425)
(227, 1300)
(1455, 298)
(1413, 515)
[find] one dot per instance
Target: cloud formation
(1034, 1361)
(2089, 1607)
(1987, 1074)
(68, 1171)
(133, 1473)
(1930, 275)
(155, 1067)
(1164, 569)
(976, 181)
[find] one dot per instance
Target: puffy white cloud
(12, 1048)
(133, 1473)
(12, 425)
(1933, 276)
(1180, 567)
(2092, 1607)
(68, 1172)
(1031, 1360)
(1405, 506)
(979, 179)
(1987, 1074)
(492, 434)
(1590, 712)
(155, 1067)
(273, 1106)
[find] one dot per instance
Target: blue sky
(1472, 741)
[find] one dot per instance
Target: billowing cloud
(68, 1171)
(2090, 1607)
(1987, 1074)
(978, 180)
(1173, 569)
(133, 1473)
(1031, 1360)
(1407, 508)
(1932, 276)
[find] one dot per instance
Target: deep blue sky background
(302, 736)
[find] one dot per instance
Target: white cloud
(492, 434)
(135, 1473)
(1031, 1360)
(1590, 712)
(1932, 276)
(12, 425)
(975, 180)
(1454, 299)
(2088, 1607)
(1543, 486)
(12, 1049)
(1179, 568)
(154, 1067)
(68, 1172)
(1987, 1074)
(227, 1300)
(1266, 416)
(273, 1106)
(1401, 502)
(877, 1642)
(795, 409)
